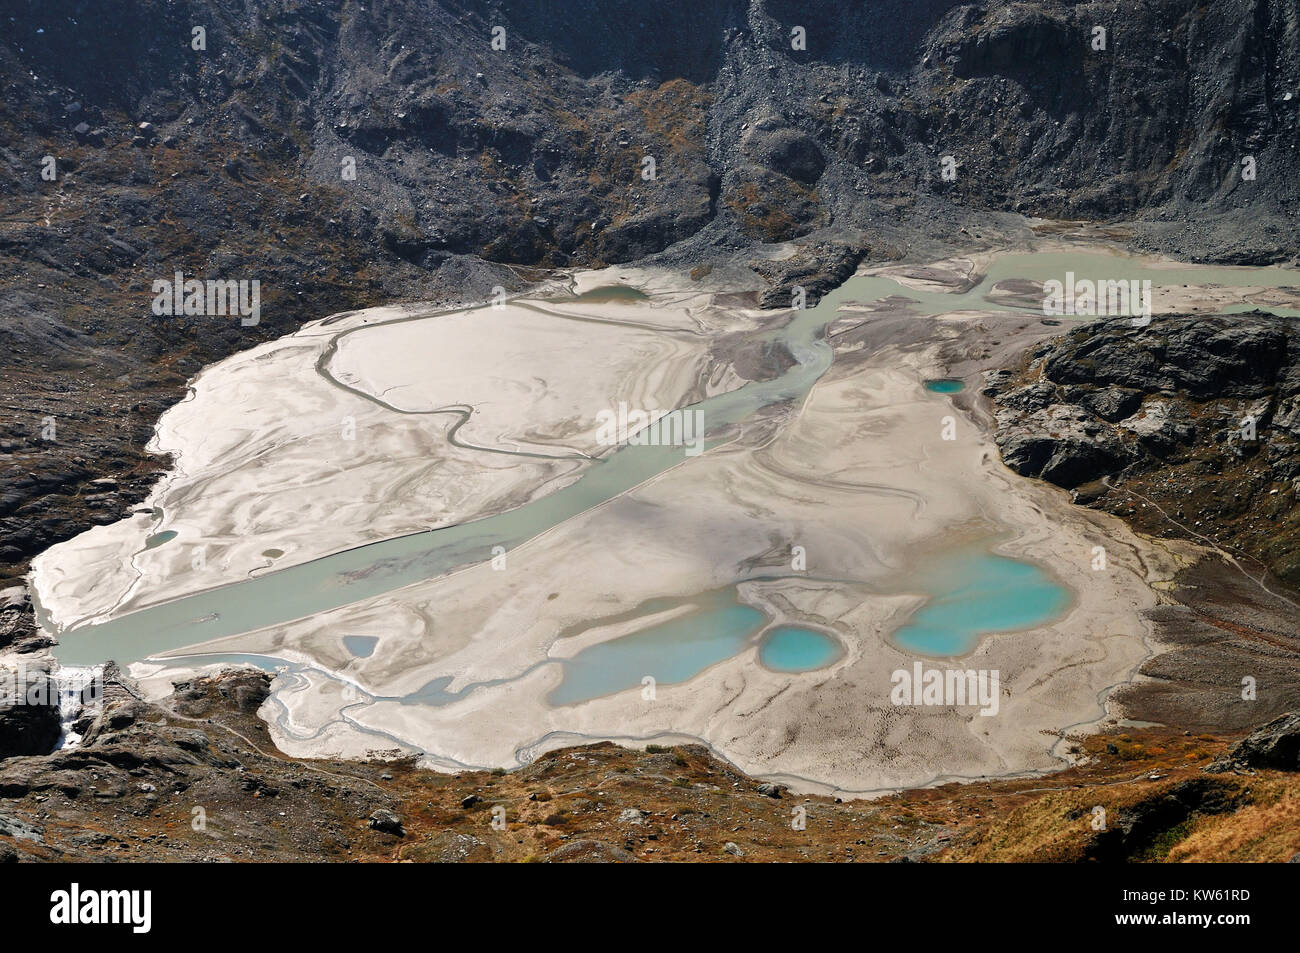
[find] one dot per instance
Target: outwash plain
(858, 474)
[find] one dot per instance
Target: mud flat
(860, 478)
(825, 504)
(379, 423)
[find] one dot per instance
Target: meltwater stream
(329, 582)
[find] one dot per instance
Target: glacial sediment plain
(827, 509)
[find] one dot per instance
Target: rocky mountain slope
(1187, 427)
(197, 778)
(767, 121)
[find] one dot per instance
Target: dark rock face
(1060, 443)
(1111, 404)
(817, 268)
(1189, 426)
(1200, 359)
(1275, 746)
(18, 624)
(29, 712)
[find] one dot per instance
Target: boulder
(1061, 444)
(1111, 404)
(1275, 746)
(386, 822)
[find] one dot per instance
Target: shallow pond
(788, 648)
(945, 386)
(972, 592)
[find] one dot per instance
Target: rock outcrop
(29, 711)
(1188, 426)
(1275, 746)
(18, 630)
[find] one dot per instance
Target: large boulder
(1275, 746)
(1059, 444)
(1111, 404)
(386, 822)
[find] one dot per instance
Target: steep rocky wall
(532, 153)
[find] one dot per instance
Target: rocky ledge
(1188, 427)
(29, 711)
(1273, 746)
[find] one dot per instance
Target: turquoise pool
(671, 652)
(973, 593)
(789, 648)
(946, 385)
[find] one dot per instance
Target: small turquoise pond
(973, 593)
(672, 652)
(157, 539)
(791, 649)
(362, 646)
(945, 385)
(612, 293)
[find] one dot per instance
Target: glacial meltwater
(719, 627)
(671, 652)
(971, 592)
(361, 646)
(945, 385)
(788, 648)
(157, 539)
